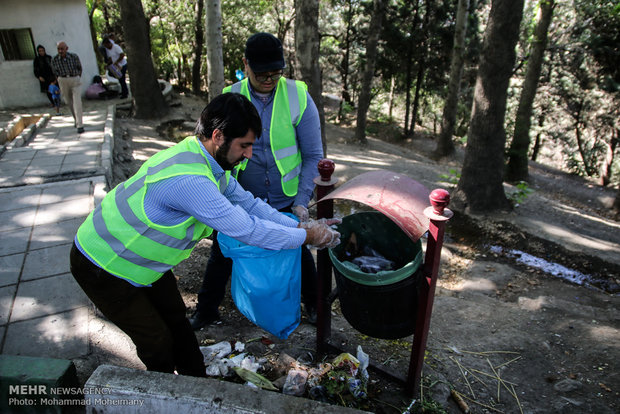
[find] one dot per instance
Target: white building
(24, 24)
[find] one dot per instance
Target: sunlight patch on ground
(532, 304)
(574, 211)
(359, 160)
(569, 237)
(605, 334)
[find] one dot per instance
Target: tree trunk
(146, 93)
(391, 98)
(93, 35)
(580, 146)
(538, 140)
(363, 103)
(344, 70)
(516, 169)
(616, 206)
(444, 144)
(199, 37)
(421, 69)
(609, 157)
(307, 45)
(215, 57)
(409, 70)
(480, 187)
(416, 97)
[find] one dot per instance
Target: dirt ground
(505, 336)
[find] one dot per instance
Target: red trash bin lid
(400, 198)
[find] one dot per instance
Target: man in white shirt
(116, 57)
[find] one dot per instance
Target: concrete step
(28, 383)
(122, 390)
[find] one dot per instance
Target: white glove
(301, 212)
(320, 235)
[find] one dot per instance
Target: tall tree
(198, 47)
(480, 188)
(147, 97)
(344, 63)
(516, 169)
(363, 103)
(411, 45)
(214, 48)
(444, 143)
(422, 68)
(307, 47)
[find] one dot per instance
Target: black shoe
(310, 312)
(80, 130)
(200, 319)
(123, 97)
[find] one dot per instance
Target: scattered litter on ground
(342, 381)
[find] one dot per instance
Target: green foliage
(521, 192)
(452, 177)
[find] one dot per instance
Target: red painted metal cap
(399, 197)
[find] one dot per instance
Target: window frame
(12, 49)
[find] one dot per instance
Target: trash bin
(380, 305)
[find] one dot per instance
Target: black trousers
(153, 317)
(219, 269)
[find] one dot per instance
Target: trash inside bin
(381, 304)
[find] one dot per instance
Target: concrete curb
(123, 390)
(24, 136)
(107, 148)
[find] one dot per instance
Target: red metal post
(438, 215)
(324, 185)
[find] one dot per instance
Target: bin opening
(381, 304)
(367, 232)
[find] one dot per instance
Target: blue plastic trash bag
(265, 285)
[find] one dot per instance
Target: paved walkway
(47, 188)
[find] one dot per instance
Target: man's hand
(301, 212)
(319, 234)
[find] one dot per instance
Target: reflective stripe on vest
(121, 239)
(289, 104)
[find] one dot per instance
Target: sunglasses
(263, 77)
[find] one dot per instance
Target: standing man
(123, 253)
(116, 56)
(68, 69)
(281, 172)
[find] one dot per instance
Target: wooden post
(325, 184)
(438, 215)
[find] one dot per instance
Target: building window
(17, 44)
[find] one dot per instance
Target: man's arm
(199, 197)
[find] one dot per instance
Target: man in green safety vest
(282, 169)
(124, 251)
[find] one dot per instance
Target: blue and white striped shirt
(235, 213)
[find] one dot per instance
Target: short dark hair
(231, 113)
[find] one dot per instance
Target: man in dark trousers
(281, 172)
(124, 251)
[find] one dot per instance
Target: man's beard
(222, 159)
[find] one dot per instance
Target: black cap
(264, 53)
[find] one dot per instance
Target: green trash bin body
(381, 305)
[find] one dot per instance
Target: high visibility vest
(289, 104)
(122, 240)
